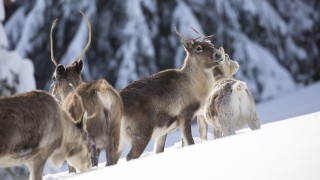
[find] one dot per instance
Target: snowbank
(16, 71)
(303, 101)
(282, 150)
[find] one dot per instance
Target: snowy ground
(303, 101)
(286, 149)
(282, 150)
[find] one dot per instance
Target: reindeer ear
(235, 67)
(188, 45)
(221, 49)
(60, 69)
(79, 66)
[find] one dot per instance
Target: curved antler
(205, 38)
(89, 36)
(51, 42)
(184, 36)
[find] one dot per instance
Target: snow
(2, 13)
(13, 66)
(298, 51)
(263, 68)
(301, 18)
(78, 43)
(282, 150)
(183, 19)
(303, 101)
(137, 43)
(134, 39)
(34, 21)
(286, 149)
(224, 8)
(266, 13)
(16, 73)
(14, 25)
(263, 36)
(183, 23)
(3, 38)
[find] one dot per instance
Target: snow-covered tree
(16, 73)
(275, 42)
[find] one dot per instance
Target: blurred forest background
(276, 43)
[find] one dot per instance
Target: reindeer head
(201, 51)
(79, 155)
(66, 78)
(230, 67)
(227, 68)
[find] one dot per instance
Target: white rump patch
(106, 99)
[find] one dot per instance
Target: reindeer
(97, 98)
(33, 128)
(162, 102)
(231, 105)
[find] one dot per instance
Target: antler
(205, 38)
(51, 43)
(89, 36)
(183, 36)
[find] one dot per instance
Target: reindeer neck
(201, 79)
(219, 73)
(70, 90)
(71, 132)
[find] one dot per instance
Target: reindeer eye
(199, 48)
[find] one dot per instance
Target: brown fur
(33, 127)
(160, 103)
(65, 79)
(98, 98)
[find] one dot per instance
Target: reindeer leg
(254, 121)
(36, 168)
(121, 147)
(187, 138)
(111, 154)
(160, 144)
(138, 146)
(94, 152)
(227, 131)
(217, 133)
(71, 169)
(98, 154)
(202, 127)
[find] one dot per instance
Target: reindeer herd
(77, 119)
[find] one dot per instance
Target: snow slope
(303, 101)
(282, 150)
(286, 149)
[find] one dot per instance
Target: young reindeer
(98, 98)
(231, 105)
(162, 102)
(34, 127)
